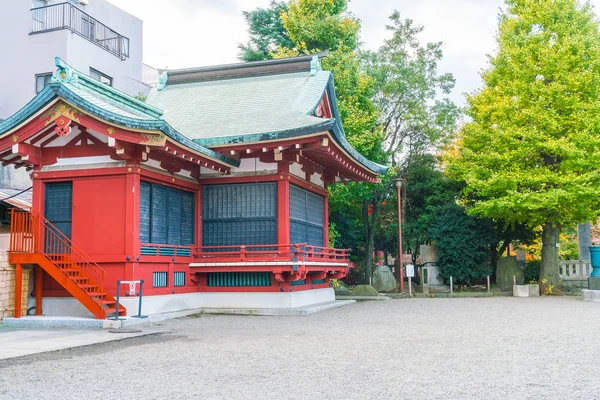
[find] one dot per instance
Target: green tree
(415, 116)
(413, 120)
(428, 195)
(316, 25)
(530, 154)
(267, 33)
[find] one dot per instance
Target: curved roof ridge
(67, 74)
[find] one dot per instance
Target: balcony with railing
(67, 16)
(276, 258)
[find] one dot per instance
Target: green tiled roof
(219, 106)
(217, 112)
(201, 108)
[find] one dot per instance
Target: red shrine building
(213, 191)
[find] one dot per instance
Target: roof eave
(340, 136)
(59, 90)
(224, 141)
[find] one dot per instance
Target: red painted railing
(31, 233)
(270, 252)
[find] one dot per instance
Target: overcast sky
(192, 33)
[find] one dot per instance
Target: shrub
(462, 244)
(532, 271)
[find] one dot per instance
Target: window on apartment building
(166, 215)
(88, 27)
(100, 77)
(41, 80)
(39, 15)
(125, 49)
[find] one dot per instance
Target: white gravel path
(478, 348)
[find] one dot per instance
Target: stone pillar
(584, 234)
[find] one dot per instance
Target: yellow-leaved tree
(531, 153)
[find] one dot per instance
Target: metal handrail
(31, 233)
(68, 16)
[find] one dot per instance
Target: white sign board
(410, 270)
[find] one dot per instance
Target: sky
(194, 33)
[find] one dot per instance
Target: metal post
(399, 187)
(488, 282)
(409, 287)
(118, 295)
(451, 286)
(140, 302)
(116, 318)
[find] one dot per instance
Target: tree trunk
(495, 255)
(416, 252)
(369, 262)
(549, 268)
(369, 225)
(494, 260)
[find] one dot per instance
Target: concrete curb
(448, 295)
(363, 298)
(43, 321)
(126, 322)
(307, 310)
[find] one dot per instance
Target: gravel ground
(492, 348)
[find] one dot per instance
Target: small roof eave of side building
(62, 90)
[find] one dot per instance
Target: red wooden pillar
(326, 221)
(198, 217)
(132, 219)
(37, 205)
(37, 201)
(326, 181)
(18, 290)
(39, 282)
(283, 203)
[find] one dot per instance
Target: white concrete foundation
(68, 306)
(521, 290)
(591, 295)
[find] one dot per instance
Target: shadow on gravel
(92, 349)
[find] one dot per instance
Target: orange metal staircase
(34, 240)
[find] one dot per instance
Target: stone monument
(383, 279)
(506, 271)
(430, 271)
(584, 236)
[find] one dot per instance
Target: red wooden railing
(31, 233)
(270, 252)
